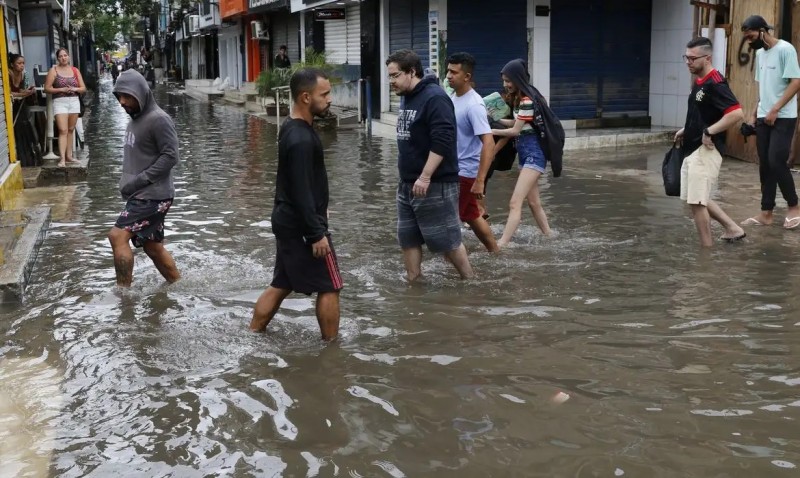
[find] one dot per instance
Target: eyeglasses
(692, 59)
(396, 75)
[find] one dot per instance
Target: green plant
(273, 78)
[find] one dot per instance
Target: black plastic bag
(504, 159)
(671, 171)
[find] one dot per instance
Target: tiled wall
(670, 80)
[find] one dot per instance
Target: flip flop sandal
(791, 223)
(735, 238)
(751, 221)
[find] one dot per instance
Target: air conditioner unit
(258, 31)
(194, 24)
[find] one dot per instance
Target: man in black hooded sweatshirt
(427, 195)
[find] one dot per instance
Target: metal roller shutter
(336, 41)
(484, 33)
(625, 88)
(343, 38)
(408, 29)
(354, 34)
(286, 31)
(574, 58)
(595, 70)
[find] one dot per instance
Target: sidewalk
(581, 139)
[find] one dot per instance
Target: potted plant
(269, 80)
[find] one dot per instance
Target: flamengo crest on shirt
(699, 96)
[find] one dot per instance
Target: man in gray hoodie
(151, 151)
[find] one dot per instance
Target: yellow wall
(11, 181)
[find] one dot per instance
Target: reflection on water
(675, 362)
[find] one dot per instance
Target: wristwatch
(706, 132)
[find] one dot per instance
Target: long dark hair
(13, 57)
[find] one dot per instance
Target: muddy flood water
(677, 362)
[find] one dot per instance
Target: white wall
(539, 47)
(670, 80)
(230, 61)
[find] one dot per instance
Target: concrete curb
(19, 261)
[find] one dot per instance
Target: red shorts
(467, 204)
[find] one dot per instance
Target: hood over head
(517, 72)
(131, 82)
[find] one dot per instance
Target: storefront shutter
(343, 38)
(485, 33)
(595, 71)
(336, 41)
(354, 34)
(408, 29)
(286, 31)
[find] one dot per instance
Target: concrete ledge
(29, 226)
(51, 174)
(233, 101)
(617, 140)
(204, 94)
(11, 183)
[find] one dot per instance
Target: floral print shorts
(145, 219)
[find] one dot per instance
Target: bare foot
(61, 164)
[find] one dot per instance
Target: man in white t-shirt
(475, 145)
(775, 118)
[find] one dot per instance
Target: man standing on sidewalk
(151, 151)
(305, 261)
(775, 118)
(712, 110)
(475, 145)
(427, 195)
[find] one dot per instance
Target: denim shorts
(530, 153)
(431, 220)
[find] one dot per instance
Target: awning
(300, 5)
(263, 6)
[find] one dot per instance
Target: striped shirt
(525, 112)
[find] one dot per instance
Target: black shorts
(145, 219)
(297, 269)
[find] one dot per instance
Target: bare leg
(731, 228)
(527, 178)
(71, 122)
(458, 257)
(413, 261)
(484, 233)
(702, 221)
(123, 255)
(162, 260)
(536, 207)
(266, 307)
(328, 315)
(62, 123)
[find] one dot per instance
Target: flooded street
(677, 362)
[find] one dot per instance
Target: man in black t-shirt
(305, 260)
(712, 110)
(282, 58)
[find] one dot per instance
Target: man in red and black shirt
(712, 110)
